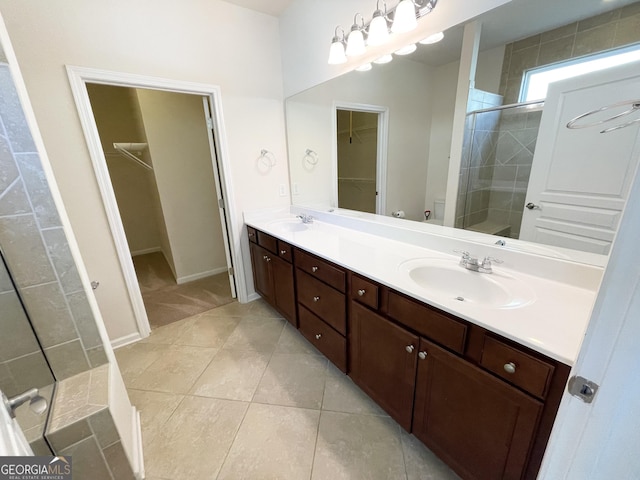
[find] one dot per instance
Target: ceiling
(270, 7)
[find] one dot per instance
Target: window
(536, 81)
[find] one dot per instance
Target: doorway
(360, 152)
(159, 161)
(209, 100)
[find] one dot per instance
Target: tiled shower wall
(595, 34)
(36, 248)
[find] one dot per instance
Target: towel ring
(634, 106)
(267, 158)
(311, 157)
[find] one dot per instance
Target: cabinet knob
(283, 252)
(510, 367)
(268, 259)
(316, 298)
(422, 355)
(314, 269)
(318, 336)
(251, 235)
(264, 257)
(409, 348)
(361, 292)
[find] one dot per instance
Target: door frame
(381, 155)
(78, 78)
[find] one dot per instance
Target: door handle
(532, 206)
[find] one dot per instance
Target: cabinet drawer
(326, 339)
(253, 236)
(324, 301)
(428, 322)
(517, 367)
(364, 291)
(267, 241)
(321, 269)
(285, 251)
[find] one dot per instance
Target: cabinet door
(283, 288)
(479, 425)
(383, 362)
(262, 276)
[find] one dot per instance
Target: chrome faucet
(305, 218)
(471, 263)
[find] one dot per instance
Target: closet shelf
(132, 151)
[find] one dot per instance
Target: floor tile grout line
(235, 436)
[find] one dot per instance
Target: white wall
(188, 41)
(307, 27)
(176, 130)
(405, 88)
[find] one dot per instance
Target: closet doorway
(155, 147)
(360, 150)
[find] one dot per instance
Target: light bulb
(435, 38)
(404, 18)
(364, 68)
(406, 50)
(383, 59)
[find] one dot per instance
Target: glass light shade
(355, 43)
(378, 30)
(435, 38)
(384, 59)
(336, 53)
(406, 50)
(404, 18)
(364, 68)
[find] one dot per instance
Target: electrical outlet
(296, 189)
(282, 189)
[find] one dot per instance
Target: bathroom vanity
(471, 374)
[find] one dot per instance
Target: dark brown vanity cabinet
(273, 272)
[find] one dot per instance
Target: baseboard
(198, 276)
(138, 460)
(253, 296)
(126, 340)
(144, 251)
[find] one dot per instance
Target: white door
(580, 178)
(219, 194)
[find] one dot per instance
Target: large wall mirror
(414, 97)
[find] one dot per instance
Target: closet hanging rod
(127, 150)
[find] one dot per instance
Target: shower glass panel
(498, 149)
(23, 365)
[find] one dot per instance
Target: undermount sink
(289, 225)
(445, 278)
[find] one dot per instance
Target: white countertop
(553, 324)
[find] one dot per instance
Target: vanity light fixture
(383, 59)
(406, 50)
(379, 27)
(435, 38)
(355, 39)
(364, 68)
(403, 17)
(336, 51)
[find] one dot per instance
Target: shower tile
(24, 251)
(594, 40)
(627, 30)
(38, 190)
(14, 200)
(556, 50)
(233, 375)
(421, 463)
(88, 461)
(293, 380)
(557, 33)
(84, 319)
(358, 446)
(598, 20)
(21, 341)
(49, 314)
(67, 359)
(8, 169)
(60, 254)
(523, 59)
(97, 356)
(68, 435)
(273, 442)
(525, 43)
(194, 442)
(118, 462)
(103, 427)
(630, 10)
(12, 114)
(28, 372)
(501, 199)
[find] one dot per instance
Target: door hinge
(210, 123)
(582, 388)
(231, 272)
(221, 202)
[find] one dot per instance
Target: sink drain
(460, 299)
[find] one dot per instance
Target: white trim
(198, 276)
(126, 340)
(252, 297)
(138, 459)
(78, 77)
(381, 155)
(145, 251)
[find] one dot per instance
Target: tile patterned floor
(237, 393)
